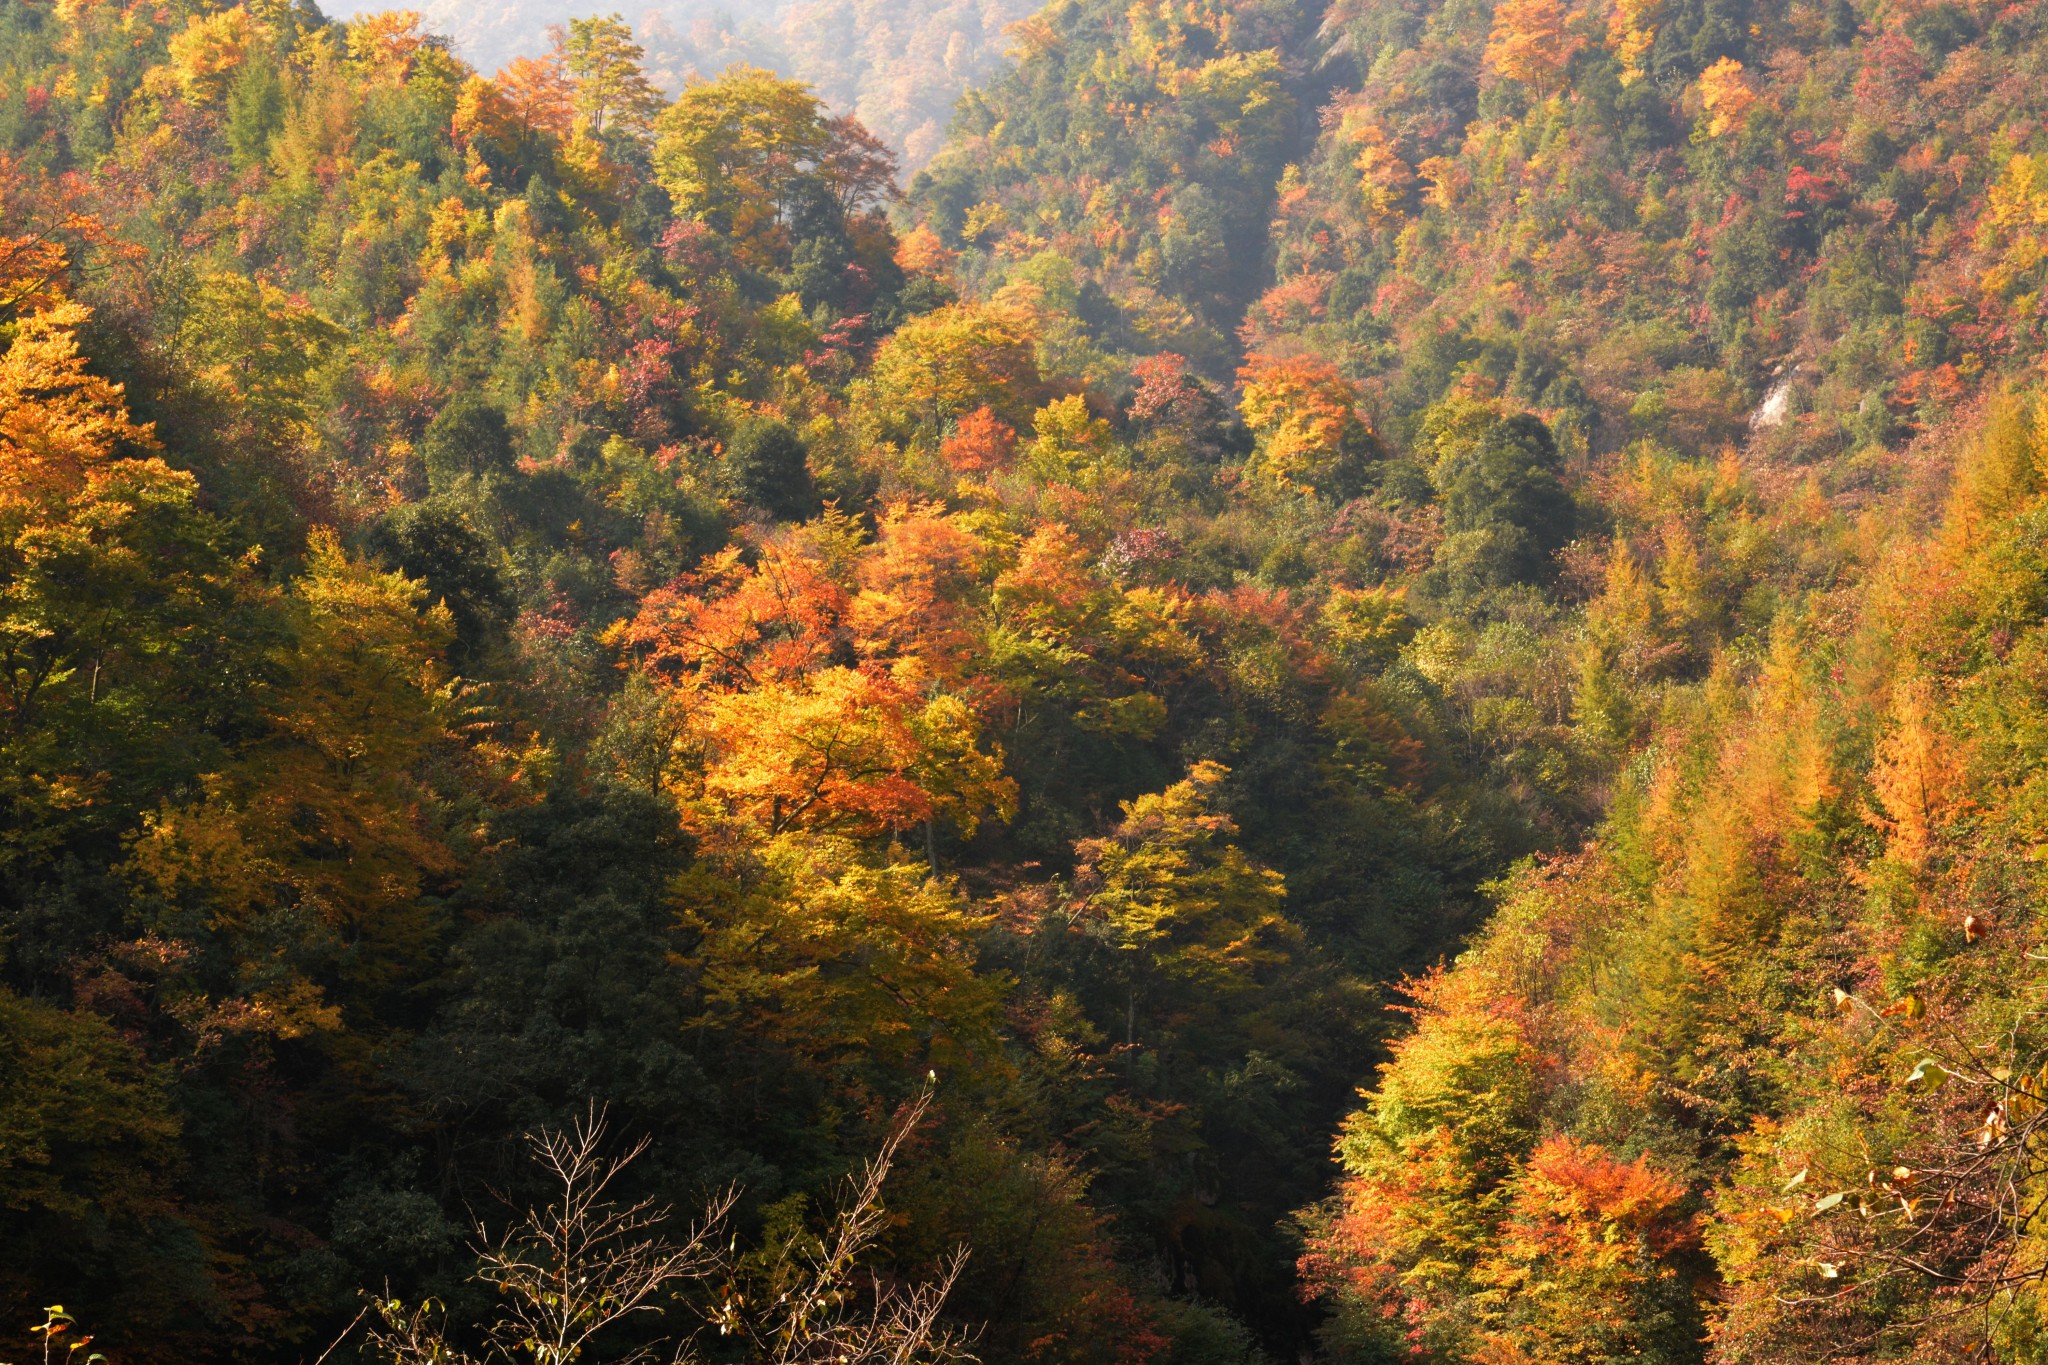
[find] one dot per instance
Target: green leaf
(1824, 1204)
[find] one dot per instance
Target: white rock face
(1772, 411)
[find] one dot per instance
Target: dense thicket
(1124, 168)
(524, 593)
(1754, 1074)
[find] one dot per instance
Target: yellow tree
(1631, 32)
(1589, 1263)
(1189, 916)
(1385, 178)
(538, 93)
(1917, 778)
(203, 59)
(849, 750)
(1306, 418)
(1727, 97)
(1532, 42)
(113, 588)
(1067, 640)
(850, 965)
(950, 363)
(310, 852)
(66, 494)
(107, 582)
(40, 215)
(919, 586)
(781, 733)
(62, 428)
(389, 44)
(2013, 231)
(1067, 439)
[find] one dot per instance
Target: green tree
(255, 109)
(88, 1154)
(1506, 510)
(434, 542)
(731, 152)
(261, 352)
(765, 463)
(127, 628)
(468, 438)
(612, 94)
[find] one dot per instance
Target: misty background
(897, 65)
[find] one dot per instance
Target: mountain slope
(552, 592)
(1127, 163)
(1750, 1077)
(520, 595)
(1754, 1073)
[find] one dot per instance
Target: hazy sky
(898, 65)
(547, 12)
(489, 32)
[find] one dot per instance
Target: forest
(1333, 682)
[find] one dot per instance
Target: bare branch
(585, 1261)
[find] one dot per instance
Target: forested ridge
(1362, 683)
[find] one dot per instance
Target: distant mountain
(898, 65)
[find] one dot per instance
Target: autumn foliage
(573, 591)
(1531, 42)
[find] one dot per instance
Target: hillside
(1752, 1075)
(1487, 553)
(525, 595)
(1126, 164)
